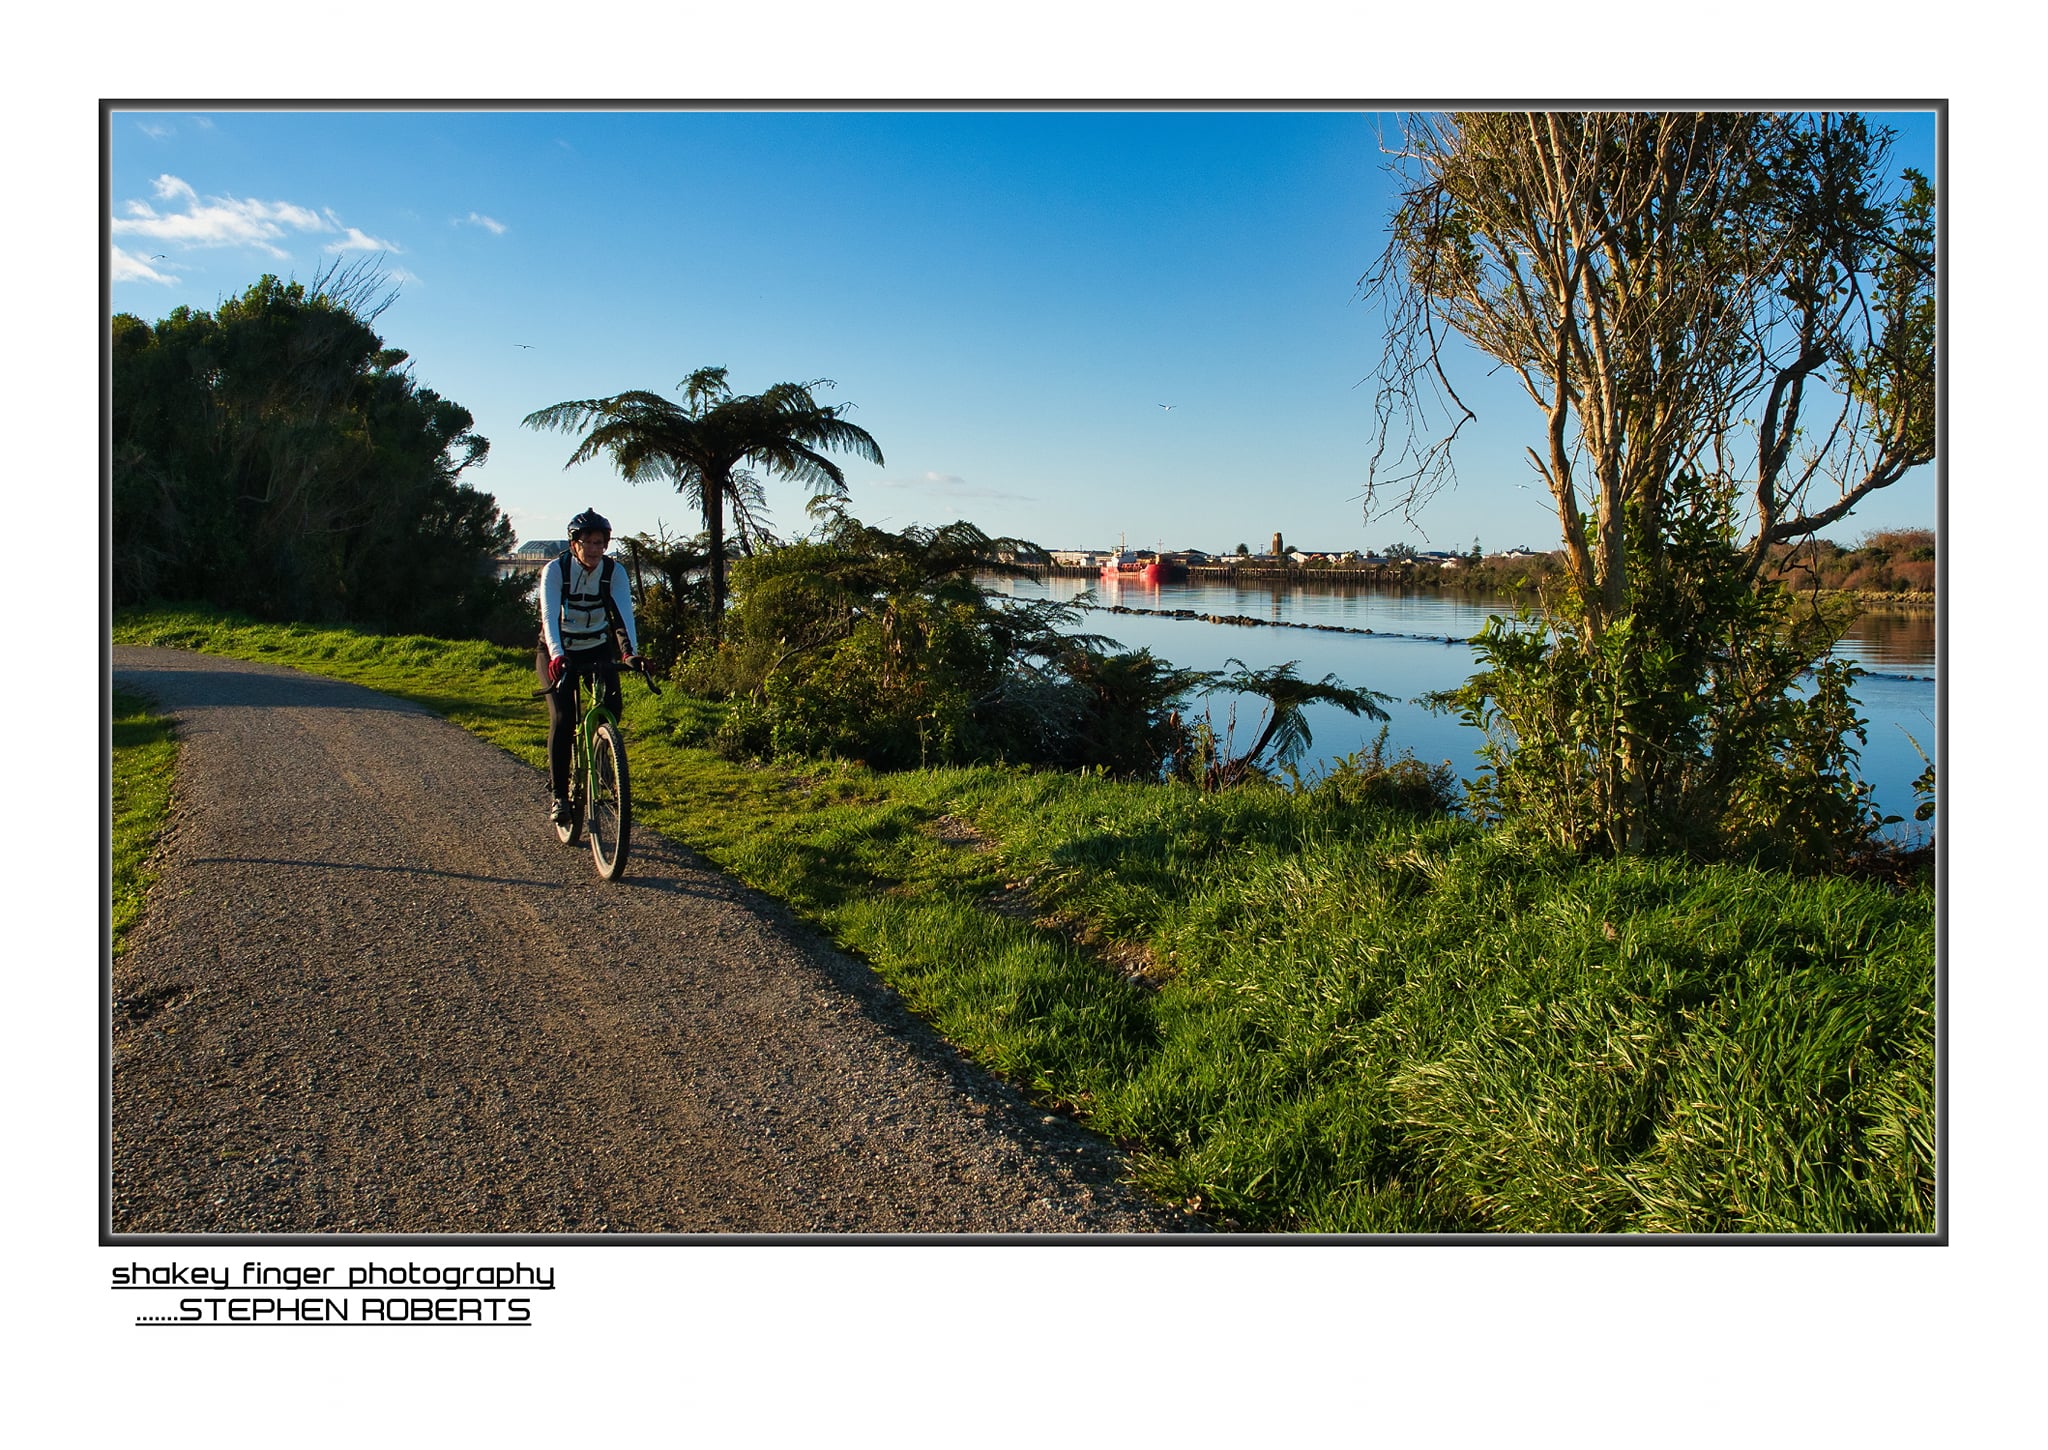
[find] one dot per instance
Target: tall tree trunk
(714, 532)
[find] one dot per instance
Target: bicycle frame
(596, 739)
(582, 751)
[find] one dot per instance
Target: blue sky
(1007, 297)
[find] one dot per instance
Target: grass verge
(1306, 1015)
(145, 751)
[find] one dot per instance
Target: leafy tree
(276, 457)
(1398, 553)
(707, 447)
(1727, 322)
(1735, 759)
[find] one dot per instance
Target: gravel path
(372, 994)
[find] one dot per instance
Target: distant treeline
(1886, 562)
(275, 457)
(1893, 563)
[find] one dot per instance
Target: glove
(555, 667)
(630, 661)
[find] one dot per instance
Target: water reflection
(1894, 642)
(1417, 645)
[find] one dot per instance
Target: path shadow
(368, 866)
(686, 874)
(230, 689)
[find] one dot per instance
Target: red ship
(1132, 567)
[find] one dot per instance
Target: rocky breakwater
(1252, 621)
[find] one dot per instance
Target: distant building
(548, 547)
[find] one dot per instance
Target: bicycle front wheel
(608, 815)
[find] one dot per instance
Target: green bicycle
(600, 788)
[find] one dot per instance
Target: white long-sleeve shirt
(578, 621)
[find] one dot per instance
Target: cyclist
(584, 601)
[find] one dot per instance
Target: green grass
(144, 753)
(1350, 1021)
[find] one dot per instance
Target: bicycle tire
(610, 813)
(571, 834)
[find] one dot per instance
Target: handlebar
(576, 672)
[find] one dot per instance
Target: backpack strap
(611, 607)
(604, 592)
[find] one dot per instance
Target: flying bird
(1168, 406)
(527, 345)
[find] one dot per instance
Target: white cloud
(354, 240)
(490, 224)
(128, 267)
(224, 221)
(154, 131)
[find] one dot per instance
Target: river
(1418, 644)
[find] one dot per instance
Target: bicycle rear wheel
(609, 812)
(570, 832)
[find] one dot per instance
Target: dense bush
(276, 457)
(671, 597)
(881, 647)
(1706, 720)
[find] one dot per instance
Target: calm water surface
(1418, 645)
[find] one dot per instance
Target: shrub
(1682, 725)
(1366, 777)
(881, 647)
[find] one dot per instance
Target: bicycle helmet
(590, 521)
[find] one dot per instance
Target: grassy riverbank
(1308, 1015)
(144, 754)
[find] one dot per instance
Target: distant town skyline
(1060, 325)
